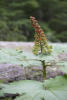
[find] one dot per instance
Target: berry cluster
(41, 44)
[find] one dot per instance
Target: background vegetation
(15, 24)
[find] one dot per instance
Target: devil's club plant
(41, 43)
(51, 89)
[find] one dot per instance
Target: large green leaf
(25, 59)
(57, 88)
(52, 89)
(63, 66)
(14, 56)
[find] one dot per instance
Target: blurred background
(15, 24)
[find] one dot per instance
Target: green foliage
(19, 57)
(63, 67)
(52, 89)
(14, 19)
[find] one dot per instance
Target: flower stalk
(40, 44)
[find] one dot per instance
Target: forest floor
(11, 72)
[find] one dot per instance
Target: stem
(43, 64)
(44, 69)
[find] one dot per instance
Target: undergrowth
(43, 54)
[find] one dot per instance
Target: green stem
(43, 64)
(44, 70)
